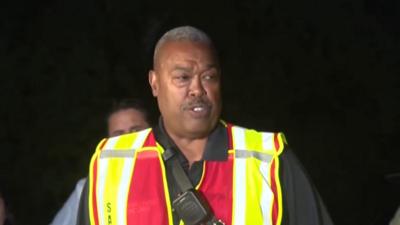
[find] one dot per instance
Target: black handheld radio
(190, 205)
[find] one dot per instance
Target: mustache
(198, 102)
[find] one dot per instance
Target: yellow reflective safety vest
(128, 184)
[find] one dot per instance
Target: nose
(197, 88)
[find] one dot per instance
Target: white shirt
(67, 215)
(396, 218)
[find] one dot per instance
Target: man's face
(186, 82)
(126, 121)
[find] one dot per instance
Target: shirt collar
(216, 147)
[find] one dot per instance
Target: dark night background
(323, 72)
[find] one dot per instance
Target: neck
(192, 149)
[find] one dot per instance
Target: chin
(199, 130)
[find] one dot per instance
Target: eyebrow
(183, 68)
(189, 68)
(136, 127)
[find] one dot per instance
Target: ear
(153, 82)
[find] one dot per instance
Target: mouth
(199, 110)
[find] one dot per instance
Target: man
(126, 116)
(231, 175)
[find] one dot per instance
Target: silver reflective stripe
(117, 153)
(248, 153)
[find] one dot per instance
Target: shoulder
(79, 185)
(256, 139)
(301, 198)
(125, 141)
(245, 130)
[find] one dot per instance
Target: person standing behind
(194, 167)
(126, 116)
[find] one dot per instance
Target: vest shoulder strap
(257, 141)
(126, 144)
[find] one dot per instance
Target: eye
(116, 133)
(182, 78)
(133, 129)
(210, 77)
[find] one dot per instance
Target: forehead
(124, 114)
(186, 52)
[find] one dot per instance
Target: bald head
(184, 33)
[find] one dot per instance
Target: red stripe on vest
(275, 204)
(275, 208)
(146, 199)
(276, 142)
(102, 144)
(217, 188)
(150, 140)
(94, 199)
